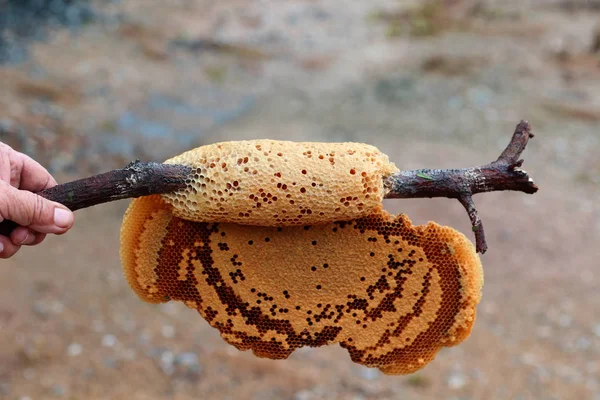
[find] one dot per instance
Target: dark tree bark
(503, 174)
(146, 178)
(135, 180)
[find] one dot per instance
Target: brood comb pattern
(390, 293)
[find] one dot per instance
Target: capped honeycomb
(390, 293)
(268, 182)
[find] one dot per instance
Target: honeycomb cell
(295, 185)
(390, 293)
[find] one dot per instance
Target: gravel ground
(432, 87)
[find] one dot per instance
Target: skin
(20, 178)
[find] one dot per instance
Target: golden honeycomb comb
(281, 245)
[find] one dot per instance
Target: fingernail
(62, 218)
(24, 240)
(1, 247)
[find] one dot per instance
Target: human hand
(20, 178)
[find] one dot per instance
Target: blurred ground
(431, 84)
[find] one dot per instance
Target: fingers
(36, 215)
(5, 162)
(22, 172)
(33, 176)
(7, 248)
(33, 211)
(39, 238)
(22, 236)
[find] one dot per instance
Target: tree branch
(142, 179)
(461, 184)
(135, 180)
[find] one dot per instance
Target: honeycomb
(390, 293)
(267, 182)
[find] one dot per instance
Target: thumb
(28, 209)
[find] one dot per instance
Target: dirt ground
(432, 85)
